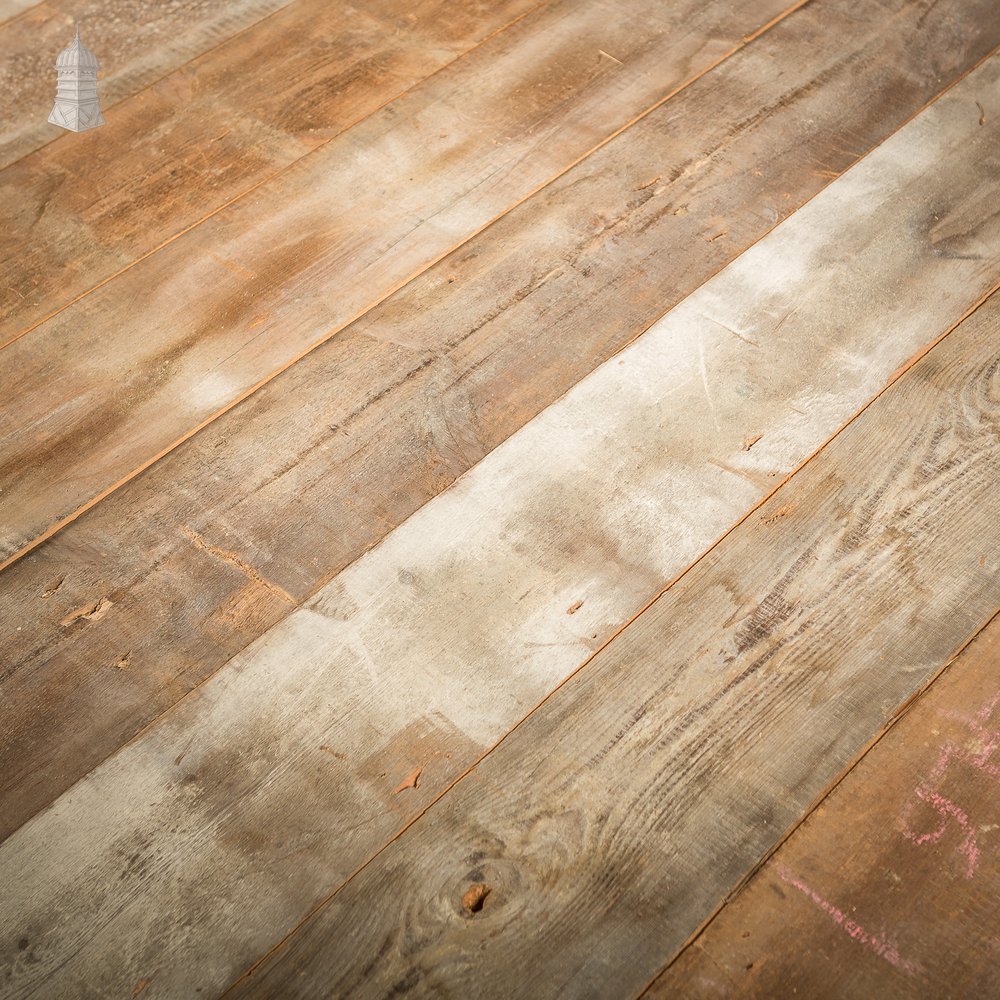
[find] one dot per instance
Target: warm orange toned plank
(889, 888)
(191, 330)
(207, 133)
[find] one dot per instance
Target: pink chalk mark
(951, 752)
(877, 943)
(948, 810)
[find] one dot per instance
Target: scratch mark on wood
(750, 440)
(411, 782)
(729, 329)
(51, 588)
(704, 381)
(234, 560)
(574, 607)
(982, 114)
(91, 612)
(123, 662)
(611, 57)
(782, 511)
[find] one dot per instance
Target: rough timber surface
(136, 44)
(188, 331)
(323, 739)
(11, 8)
(889, 888)
(209, 132)
(611, 823)
(197, 556)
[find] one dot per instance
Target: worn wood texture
(889, 889)
(197, 556)
(298, 758)
(136, 43)
(209, 132)
(12, 8)
(187, 332)
(608, 826)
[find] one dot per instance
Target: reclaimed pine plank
(191, 330)
(211, 131)
(13, 8)
(184, 856)
(198, 555)
(136, 44)
(888, 889)
(607, 827)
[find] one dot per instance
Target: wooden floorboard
(577, 858)
(249, 291)
(302, 756)
(136, 45)
(14, 8)
(210, 132)
(195, 558)
(889, 887)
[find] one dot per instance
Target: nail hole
(475, 897)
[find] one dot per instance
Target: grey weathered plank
(430, 382)
(209, 132)
(888, 889)
(190, 330)
(136, 44)
(613, 821)
(189, 852)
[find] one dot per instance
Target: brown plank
(211, 131)
(13, 8)
(610, 823)
(136, 45)
(182, 857)
(425, 386)
(889, 888)
(189, 331)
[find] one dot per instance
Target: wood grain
(12, 8)
(192, 329)
(889, 887)
(392, 411)
(185, 855)
(609, 824)
(136, 44)
(209, 132)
